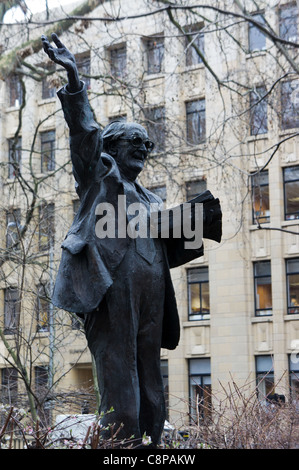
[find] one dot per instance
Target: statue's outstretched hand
(60, 54)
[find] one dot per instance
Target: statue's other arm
(85, 134)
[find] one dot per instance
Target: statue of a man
(120, 286)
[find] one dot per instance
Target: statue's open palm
(60, 54)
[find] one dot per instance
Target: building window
(160, 191)
(13, 226)
(48, 90)
(194, 188)
(15, 91)
(83, 66)
(47, 151)
(155, 55)
(200, 389)
(194, 42)
(14, 157)
(263, 288)
(291, 191)
(118, 62)
(164, 373)
(198, 293)
(294, 376)
(260, 197)
(289, 104)
(258, 111)
(288, 22)
(264, 376)
(155, 125)
(42, 308)
(46, 226)
(196, 121)
(256, 38)
(9, 385)
(11, 310)
(292, 267)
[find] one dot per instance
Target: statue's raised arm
(85, 133)
(62, 56)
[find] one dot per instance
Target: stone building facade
(221, 103)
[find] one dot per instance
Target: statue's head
(129, 145)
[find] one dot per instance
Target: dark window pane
(83, 65)
(118, 58)
(14, 157)
(13, 225)
(15, 91)
(291, 192)
(200, 388)
(48, 91)
(293, 285)
(47, 151)
(155, 125)
(263, 288)
(257, 39)
(11, 310)
(289, 104)
(155, 55)
(193, 188)
(198, 293)
(160, 191)
(42, 308)
(258, 112)
(260, 197)
(9, 385)
(196, 121)
(288, 23)
(194, 41)
(46, 226)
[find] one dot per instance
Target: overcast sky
(15, 14)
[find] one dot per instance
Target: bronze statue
(120, 286)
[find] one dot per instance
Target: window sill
(256, 53)
(253, 138)
(12, 109)
(291, 316)
(285, 132)
(290, 222)
(254, 227)
(191, 323)
(195, 67)
(262, 319)
(153, 76)
(47, 101)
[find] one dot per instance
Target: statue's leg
(112, 342)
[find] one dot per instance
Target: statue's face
(130, 152)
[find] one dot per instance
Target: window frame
(117, 58)
(289, 119)
(266, 311)
(12, 310)
(289, 215)
(204, 409)
(199, 136)
(155, 124)
(152, 44)
(50, 225)
(267, 217)
(264, 378)
(283, 8)
(12, 236)
(251, 28)
(192, 57)
(14, 164)
(199, 315)
(41, 301)
(291, 309)
(48, 165)
(258, 105)
(15, 91)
